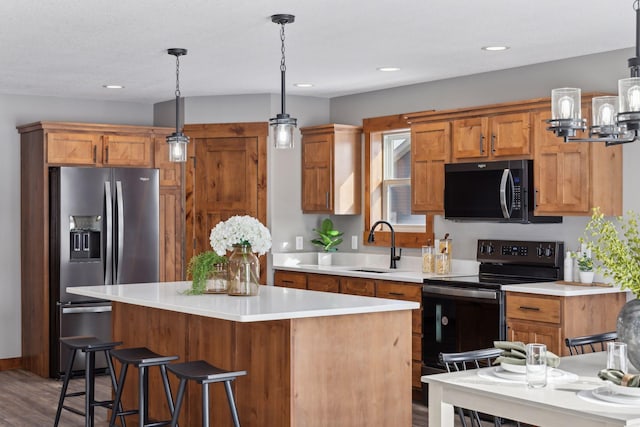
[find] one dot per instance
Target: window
(396, 181)
(387, 183)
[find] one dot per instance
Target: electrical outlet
(299, 243)
(354, 242)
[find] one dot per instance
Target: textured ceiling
(71, 48)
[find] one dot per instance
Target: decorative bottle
(568, 267)
(244, 271)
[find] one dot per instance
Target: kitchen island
(312, 358)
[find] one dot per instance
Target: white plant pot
(324, 258)
(586, 276)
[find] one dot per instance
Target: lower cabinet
(549, 319)
(365, 287)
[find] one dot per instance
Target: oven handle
(460, 292)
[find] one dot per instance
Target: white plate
(607, 394)
(519, 369)
(517, 376)
(627, 391)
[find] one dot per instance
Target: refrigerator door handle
(120, 231)
(75, 310)
(108, 204)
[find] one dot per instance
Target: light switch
(299, 243)
(354, 242)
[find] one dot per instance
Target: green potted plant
(328, 239)
(615, 245)
(208, 273)
(585, 265)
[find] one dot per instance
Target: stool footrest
(74, 410)
(75, 394)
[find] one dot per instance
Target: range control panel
(520, 252)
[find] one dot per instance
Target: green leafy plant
(616, 247)
(585, 263)
(329, 238)
(199, 268)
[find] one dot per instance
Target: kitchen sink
(373, 270)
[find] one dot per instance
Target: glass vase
(244, 271)
(217, 282)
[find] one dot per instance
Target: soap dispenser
(568, 267)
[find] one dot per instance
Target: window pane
(398, 204)
(397, 155)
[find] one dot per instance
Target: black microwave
(500, 191)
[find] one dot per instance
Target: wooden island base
(347, 370)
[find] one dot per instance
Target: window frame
(373, 128)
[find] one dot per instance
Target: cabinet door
(128, 150)
(171, 232)
(470, 138)
(357, 286)
(561, 176)
(430, 150)
(74, 148)
(290, 279)
(510, 135)
(317, 170)
(324, 283)
(528, 332)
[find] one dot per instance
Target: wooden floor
(27, 400)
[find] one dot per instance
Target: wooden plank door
(226, 177)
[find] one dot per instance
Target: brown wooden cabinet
(47, 144)
(430, 150)
(492, 137)
(549, 319)
(331, 169)
(365, 287)
(571, 178)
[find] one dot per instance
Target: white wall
(592, 73)
(18, 110)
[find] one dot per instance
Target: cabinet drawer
(527, 307)
(394, 290)
(290, 279)
(324, 283)
(355, 286)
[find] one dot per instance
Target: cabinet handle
(106, 154)
(535, 199)
(493, 140)
(396, 294)
(481, 144)
(95, 153)
(524, 307)
(326, 200)
(287, 281)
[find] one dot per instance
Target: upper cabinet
(430, 150)
(571, 178)
(331, 169)
(492, 137)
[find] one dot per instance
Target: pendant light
(282, 126)
(616, 119)
(177, 141)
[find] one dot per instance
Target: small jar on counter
(443, 265)
(428, 259)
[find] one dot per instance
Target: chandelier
(177, 141)
(282, 126)
(615, 119)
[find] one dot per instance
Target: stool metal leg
(143, 386)
(179, 398)
(89, 380)
(167, 388)
(65, 385)
(205, 405)
(232, 403)
(116, 405)
(117, 402)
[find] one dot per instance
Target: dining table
(574, 395)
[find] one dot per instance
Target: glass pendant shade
(177, 147)
(565, 104)
(629, 95)
(605, 110)
(283, 131)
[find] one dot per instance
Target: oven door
(457, 319)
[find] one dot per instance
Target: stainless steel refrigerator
(104, 230)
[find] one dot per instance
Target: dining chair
(473, 359)
(596, 342)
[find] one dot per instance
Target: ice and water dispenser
(84, 232)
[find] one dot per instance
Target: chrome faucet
(371, 239)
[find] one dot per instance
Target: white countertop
(558, 289)
(273, 303)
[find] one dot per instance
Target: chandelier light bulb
(606, 114)
(565, 106)
(633, 98)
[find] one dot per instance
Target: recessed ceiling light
(494, 48)
(113, 86)
(388, 69)
(303, 85)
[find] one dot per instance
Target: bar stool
(88, 345)
(204, 373)
(141, 358)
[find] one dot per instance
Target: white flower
(240, 230)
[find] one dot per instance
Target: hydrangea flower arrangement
(240, 230)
